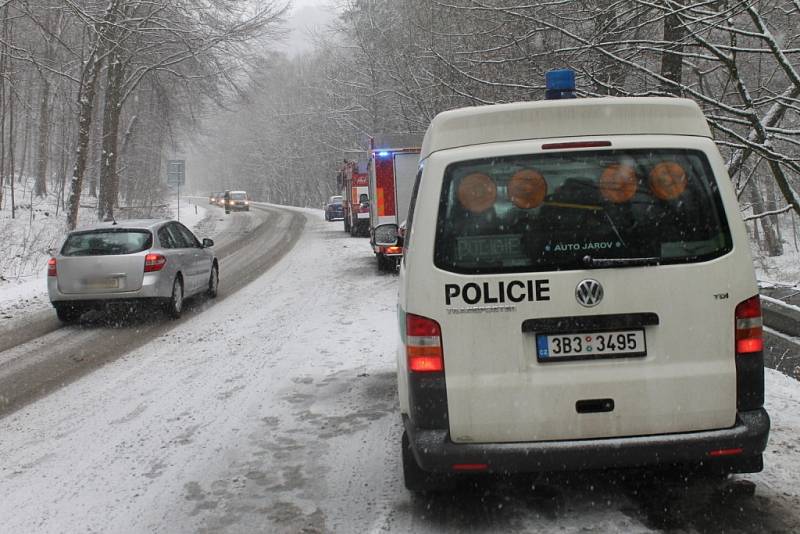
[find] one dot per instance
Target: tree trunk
(11, 151)
(86, 97)
(95, 146)
(671, 59)
(42, 153)
(109, 179)
(770, 244)
(3, 77)
(86, 102)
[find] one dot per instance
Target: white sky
(305, 15)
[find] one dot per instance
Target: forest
(97, 94)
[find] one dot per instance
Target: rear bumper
(389, 252)
(435, 452)
(154, 285)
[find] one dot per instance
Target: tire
(213, 282)
(68, 312)
(174, 306)
(346, 224)
(386, 263)
(418, 481)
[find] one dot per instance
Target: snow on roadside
(782, 470)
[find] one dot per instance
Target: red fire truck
(353, 182)
(393, 163)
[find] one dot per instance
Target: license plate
(102, 283)
(590, 345)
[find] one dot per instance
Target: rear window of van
(107, 242)
(577, 210)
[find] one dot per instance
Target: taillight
(470, 467)
(51, 267)
(725, 452)
(749, 335)
(154, 262)
(423, 345)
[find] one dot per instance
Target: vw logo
(589, 293)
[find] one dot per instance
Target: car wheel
(213, 282)
(419, 481)
(175, 303)
(346, 225)
(68, 312)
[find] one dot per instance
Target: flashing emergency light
(559, 83)
(383, 154)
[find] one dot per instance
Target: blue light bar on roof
(383, 154)
(559, 83)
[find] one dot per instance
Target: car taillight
(51, 267)
(423, 345)
(154, 262)
(749, 335)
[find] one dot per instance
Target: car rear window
(576, 210)
(106, 242)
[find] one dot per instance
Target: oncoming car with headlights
(135, 261)
(236, 201)
(577, 292)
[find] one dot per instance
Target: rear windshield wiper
(589, 261)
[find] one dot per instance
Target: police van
(577, 292)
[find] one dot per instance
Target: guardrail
(781, 332)
(781, 316)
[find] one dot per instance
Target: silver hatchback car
(130, 261)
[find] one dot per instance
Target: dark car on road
(334, 210)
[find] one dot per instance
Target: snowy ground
(25, 240)
(275, 411)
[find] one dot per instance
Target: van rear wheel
(419, 481)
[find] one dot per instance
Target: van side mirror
(208, 242)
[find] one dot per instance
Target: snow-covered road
(275, 411)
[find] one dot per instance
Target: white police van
(577, 292)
